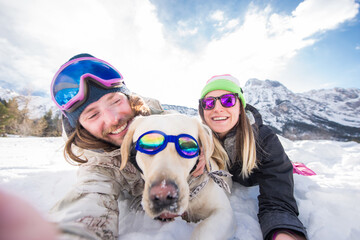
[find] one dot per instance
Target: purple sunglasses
(227, 100)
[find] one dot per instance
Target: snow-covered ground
(35, 169)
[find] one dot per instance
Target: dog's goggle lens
(68, 85)
(153, 142)
(188, 146)
(226, 100)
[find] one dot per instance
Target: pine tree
(20, 123)
(57, 124)
(5, 117)
(25, 123)
(38, 127)
(15, 121)
(13, 111)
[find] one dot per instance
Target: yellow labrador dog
(166, 149)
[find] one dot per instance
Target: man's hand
(200, 166)
(19, 221)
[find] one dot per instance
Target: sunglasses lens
(208, 103)
(151, 142)
(228, 100)
(188, 146)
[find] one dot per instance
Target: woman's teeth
(219, 118)
(120, 129)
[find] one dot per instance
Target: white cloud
(125, 33)
(267, 41)
(232, 23)
(39, 36)
(184, 30)
(313, 16)
(217, 16)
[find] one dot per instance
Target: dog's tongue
(167, 216)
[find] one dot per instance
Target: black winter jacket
(274, 175)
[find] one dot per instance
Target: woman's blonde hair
(83, 139)
(245, 143)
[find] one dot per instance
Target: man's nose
(111, 116)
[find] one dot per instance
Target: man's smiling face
(108, 118)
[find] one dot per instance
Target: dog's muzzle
(164, 195)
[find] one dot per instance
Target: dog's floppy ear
(126, 144)
(205, 142)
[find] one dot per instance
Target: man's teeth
(219, 118)
(120, 129)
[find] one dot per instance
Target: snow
(34, 168)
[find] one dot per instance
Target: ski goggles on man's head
(227, 100)
(153, 142)
(69, 86)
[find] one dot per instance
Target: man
(97, 110)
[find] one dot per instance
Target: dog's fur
(168, 173)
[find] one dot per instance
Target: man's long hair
(245, 143)
(83, 139)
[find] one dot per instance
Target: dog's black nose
(164, 195)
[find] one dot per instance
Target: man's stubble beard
(125, 120)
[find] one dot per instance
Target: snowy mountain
(36, 105)
(181, 109)
(6, 94)
(318, 114)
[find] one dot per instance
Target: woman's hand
(19, 220)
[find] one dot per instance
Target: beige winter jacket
(90, 209)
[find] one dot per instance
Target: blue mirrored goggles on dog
(155, 141)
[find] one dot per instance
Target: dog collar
(216, 176)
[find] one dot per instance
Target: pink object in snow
(301, 169)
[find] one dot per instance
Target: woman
(256, 156)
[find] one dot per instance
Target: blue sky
(332, 61)
(167, 49)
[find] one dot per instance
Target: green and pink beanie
(224, 82)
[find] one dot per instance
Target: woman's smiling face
(220, 119)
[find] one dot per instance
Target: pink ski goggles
(69, 87)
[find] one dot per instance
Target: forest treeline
(15, 121)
